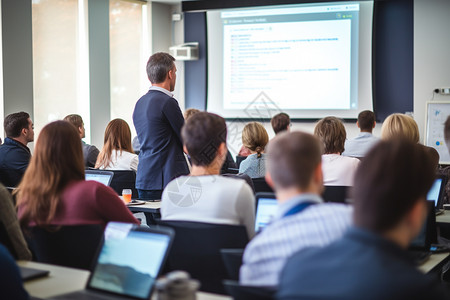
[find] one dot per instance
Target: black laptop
(266, 207)
(101, 176)
(436, 193)
(419, 248)
(127, 264)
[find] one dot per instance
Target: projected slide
(314, 57)
(305, 60)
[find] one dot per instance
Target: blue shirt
(358, 146)
(11, 286)
(361, 265)
(14, 160)
(253, 166)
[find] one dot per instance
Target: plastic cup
(126, 195)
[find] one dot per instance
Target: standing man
(90, 152)
(358, 146)
(158, 121)
(14, 153)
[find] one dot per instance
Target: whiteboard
(437, 113)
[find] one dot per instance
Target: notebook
(266, 207)
(127, 264)
(30, 273)
(436, 193)
(104, 177)
(419, 248)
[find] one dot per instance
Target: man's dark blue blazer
(158, 121)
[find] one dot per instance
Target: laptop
(101, 176)
(266, 207)
(419, 248)
(436, 193)
(128, 263)
(30, 273)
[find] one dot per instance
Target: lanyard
(298, 208)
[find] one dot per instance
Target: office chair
(124, 180)
(336, 194)
(71, 246)
(196, 249)
(232, 258)
(261, 185)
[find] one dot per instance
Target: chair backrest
(336, 194)
(124, 180)
(196, 249)
(232, 258)
(71, 246)
(10, 177)
(261, 185)
(239, 159)
(242, 292)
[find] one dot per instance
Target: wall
(431, 54)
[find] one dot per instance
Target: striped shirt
(315, 226)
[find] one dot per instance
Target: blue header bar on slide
(290, 11)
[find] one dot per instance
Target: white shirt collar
(157, 88)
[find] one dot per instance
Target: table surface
(444, 217)
(152, 207)
(63, 280)
(433, 261)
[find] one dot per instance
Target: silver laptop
(128, 263)
(266, 207)
(101, 176)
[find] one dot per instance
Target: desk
(435, 262)
(444, 217)
(148, 207)
(63, 280)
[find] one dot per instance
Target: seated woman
(13, 236)
(397, 126)
(53, 190)
(337, 169)
(117, 152)
(255, 139)
(204, 195)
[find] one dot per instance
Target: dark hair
(331, 132)
(366, 119)
(158, 65)
(202, 135)
(447, 131)
(292, 159)
(391, 178)
(14, 123)
(75, 120)
(280, 122)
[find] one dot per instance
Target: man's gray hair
(158, 65)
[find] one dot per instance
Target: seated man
(358, 146)
(370, 261)
(281, 122)
(14, 153)
(204, 195)
(294, 170)
(90, 152)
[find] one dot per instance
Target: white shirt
(316, 226)
(360, 145)
(210, 199)
(122, 161)
(157, 88)
(338, 169)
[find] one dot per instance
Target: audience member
(158, 121)
(14, 153)
(370, 261)
(302, 220)
(205, 196)
(90, 152)
(358, 146)
(229, 161)
(402, 126)
(281, 122)
(54, 190)
(11, 283)
(117, 152)
(17, 245)
(255, 139)
(337, 169)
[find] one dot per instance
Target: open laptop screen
(104, 177)
(129, 261)
(434, 194)
(266, 208)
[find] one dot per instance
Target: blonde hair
(255, 137)
(400, 126)
(57, 160)
(190, 112)
(117, 137)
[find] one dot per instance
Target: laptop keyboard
(419, 257)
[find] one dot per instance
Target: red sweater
(90, 202)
